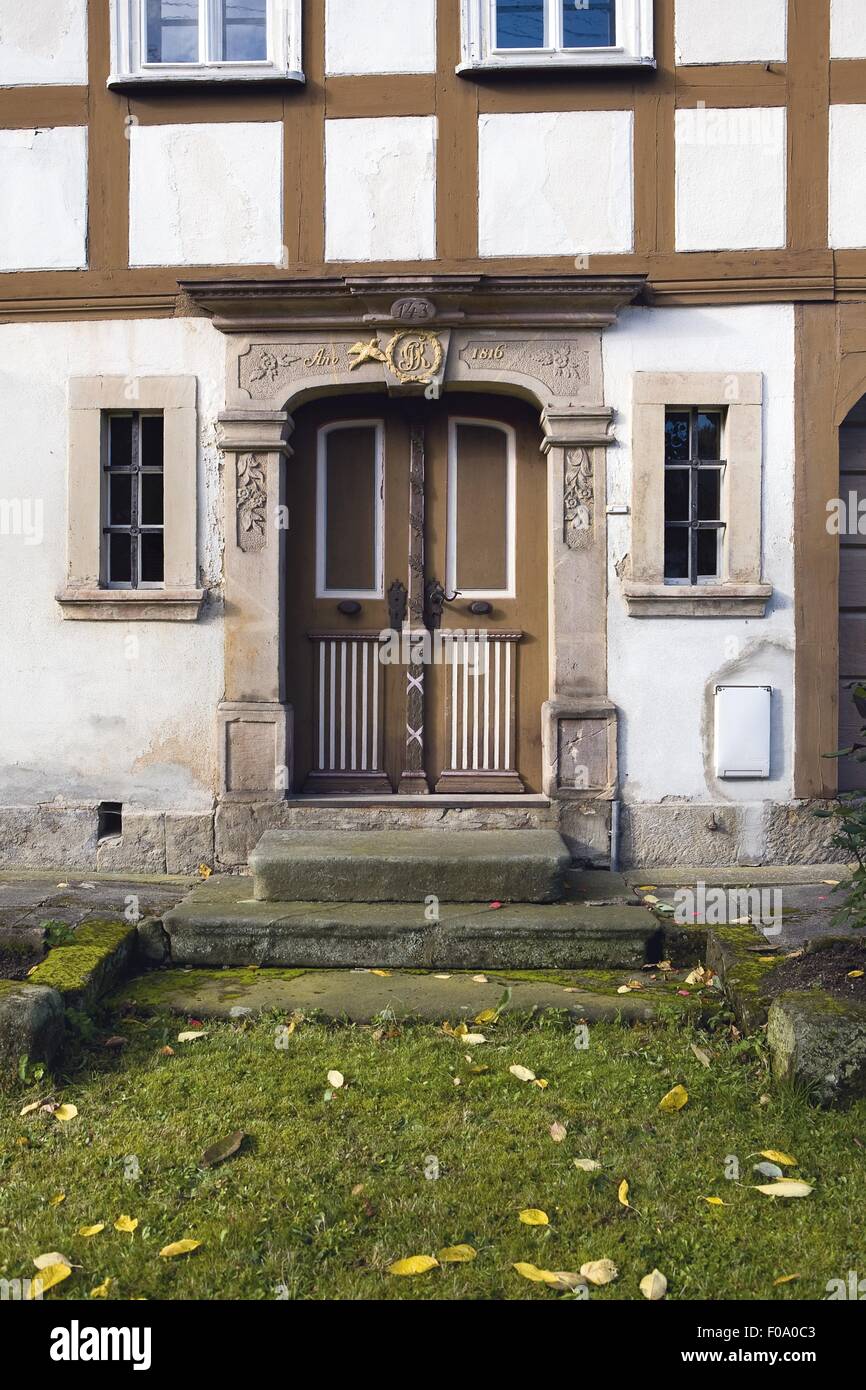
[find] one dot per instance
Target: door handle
(435, 598)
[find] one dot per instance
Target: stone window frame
(85, 594)
(634, 47)
(741, 593)
(284, 45)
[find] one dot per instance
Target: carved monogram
(578, 498)
(252, 503)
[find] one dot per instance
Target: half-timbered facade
(422, 412)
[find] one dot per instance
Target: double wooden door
(416, 597)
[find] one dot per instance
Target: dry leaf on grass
(557, 1132)
(65, 1113)
(587, 1165)
(54, 1258)
(88, 1231)
(522, 1073)
(222, 1149)
(654, 1286)
(785, 1187)
(674, 1100)
(126, 1223)
(336, 1079)
(533, 1216)
(703, 1056)
(599, 1272)
(47, 1278)
(775, 1156)
(179, 1247)
(191, 1036)
(457, 1254)
(101, 1290)
(414, 1264)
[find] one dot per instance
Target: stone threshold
(434, 799)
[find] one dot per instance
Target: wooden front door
(416, 596)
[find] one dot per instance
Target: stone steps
(388, 866)
(222, 923)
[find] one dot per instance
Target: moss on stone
(79, 969)
(155, 989)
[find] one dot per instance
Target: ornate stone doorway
(416, 596)
(383, 341)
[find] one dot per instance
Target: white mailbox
(743, 730)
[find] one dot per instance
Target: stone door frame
(289, 342)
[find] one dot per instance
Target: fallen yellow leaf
(774, 1156)
(54, 1258)
(415, 1264)
(91, 1230)
(457, 1254)
(532, 1216)
(384, 973)
(674, 1100)
(785, 1187)
(192, 1035)
(57, 1199)
(654, 1286)
(622, 1194)
(530, 1272)
(587, 1165)
(126, 1223)
(204, 871)
(855, 974)
(785, 1279)
(336, 1079)
(65, 1113)
(101, 1290)
(47, 1278)
(486, 1016)
(179, 1247)
(557, 1132)
(715, 1202)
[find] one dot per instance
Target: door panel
(485, 533)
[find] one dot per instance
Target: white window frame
(128, 47)
(322, 590)
(510, 591)
(634, 46)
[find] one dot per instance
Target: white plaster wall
(380, 189)
(847, 29)
(364, 36)
(847, 187)
(43, 208)
(100, 710)
(557, 183)
(660, 668)
(732, 175)
(43, 41)
(737, 31)
(209, 194)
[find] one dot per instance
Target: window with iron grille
(694, 479)
(133, 501)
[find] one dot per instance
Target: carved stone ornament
(268, 369)
(415, 357)
(252, 503)
(578, 499)
(413, 310)
(561, 365)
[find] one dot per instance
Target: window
(131, 550)
(694, 471)
(545, 33)
(349, 510)
(695, 548)
(195, 40)
(133, 501)
(482, 480)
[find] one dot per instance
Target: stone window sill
(700, 601)
(131, 605)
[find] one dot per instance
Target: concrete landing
(221, 923)
(455, 866)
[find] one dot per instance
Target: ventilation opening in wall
(109, 820)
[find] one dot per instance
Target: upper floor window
(205, 40)
(545, 33)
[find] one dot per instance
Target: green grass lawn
(326, 1193)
